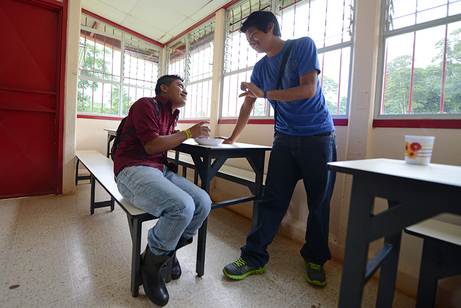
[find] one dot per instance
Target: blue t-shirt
(304, 117)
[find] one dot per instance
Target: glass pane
(410, 12)
(201, 53)
(231, 101)
(334, 79)
(177, 59)
(304, 18)
(198, 101)
(433, 86)
(238, 53)
(84, 96)
(428, 66)
(99, 56)
(454, 7)
(397, 74)
(140, 66)
(130, 95)
(452, 92)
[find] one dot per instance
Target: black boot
(176, 270)
(152, 279)
(183, 242)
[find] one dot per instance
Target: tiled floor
(53, 253)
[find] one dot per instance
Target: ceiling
(160, 20)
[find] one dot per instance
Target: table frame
(410, 200)
(208, 160)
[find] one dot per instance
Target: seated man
(149, 182)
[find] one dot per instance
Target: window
(421, 59)
(191, 57)
(329, 24)
(115, 69)
(326, 22)
(240, 59)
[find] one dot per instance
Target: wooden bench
(441, 257)
(101, 170)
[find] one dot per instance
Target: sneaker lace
(315, 266)
(240, 262)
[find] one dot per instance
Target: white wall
(356, 141)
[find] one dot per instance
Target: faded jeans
(180, 205)
(293, 158)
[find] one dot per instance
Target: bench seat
(101, 170)
(441, 257)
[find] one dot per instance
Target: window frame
(435, 120)
(207, 23)
(127, 36)
(275, 7)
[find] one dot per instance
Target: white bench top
(102, 168)
(439, 230)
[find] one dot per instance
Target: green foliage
(330, 91)
(427, 82)
(94, 61)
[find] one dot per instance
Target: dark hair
(260, 20)
(166, 80)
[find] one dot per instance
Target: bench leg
(427, 285)
(135, 230)
(92, 202)
(78, 177)
(76, 171)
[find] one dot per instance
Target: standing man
(304, 143)
(150, 183)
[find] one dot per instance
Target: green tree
(397, 90)
(330, 91)
(427, 82)
(452, 93)
(94, 61)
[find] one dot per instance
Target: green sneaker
(315, 274)
(240, 269)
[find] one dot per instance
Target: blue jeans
(293, 158)
(180, 205)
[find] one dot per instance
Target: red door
(31, 97)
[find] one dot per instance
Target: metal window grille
(115, 69)
(192, 58)
(329, 24)
(239, 59)
(420, 59)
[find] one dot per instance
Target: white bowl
(212, 141)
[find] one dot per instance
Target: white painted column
(70, 95)
(218, 64)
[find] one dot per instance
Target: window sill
(99, 117)
(337, 122)
(419, 123)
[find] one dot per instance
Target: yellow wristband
(188, 133)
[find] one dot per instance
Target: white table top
(434, 173)
(111, 131)
(235, 145)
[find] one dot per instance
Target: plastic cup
(418, 149)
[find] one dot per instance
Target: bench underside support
(98, 204)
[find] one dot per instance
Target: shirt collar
(164, 101)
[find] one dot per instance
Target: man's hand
(226, 140)
(200, 130)
(250, 90)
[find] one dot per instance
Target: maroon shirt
(143, 116)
